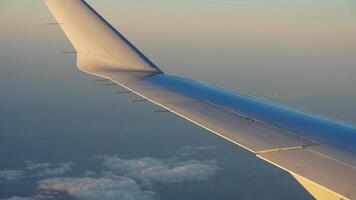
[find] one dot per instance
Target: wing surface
(318, 152)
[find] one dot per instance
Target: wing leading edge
(319, 153)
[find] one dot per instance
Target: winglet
(98, 43)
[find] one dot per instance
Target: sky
(65, 136)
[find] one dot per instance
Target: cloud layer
(191, 150)
(48, 169)
(150, 170)
(11, 175)
(122, 188)
(37, 197)
(35, 170)
(124, 179)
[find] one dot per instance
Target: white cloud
(89, 173)
(191, 150)
(31, 166)
(118, 181)
(48, 169)
(35, 170)
(150, 170)
(122, 188)
(37, 197)
(124, 179)
(11, 175)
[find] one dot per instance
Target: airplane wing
(318, 152)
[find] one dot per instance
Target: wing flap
(318, 168)
(316, 190)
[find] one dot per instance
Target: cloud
(122, 188)
(47, 169)
(190, 150)
(31, 166)
(35, 170)
(150, 170)
(37, 197)
(89, 173)
(11, 175)
(124, 179)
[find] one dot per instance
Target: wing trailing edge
(316, 190)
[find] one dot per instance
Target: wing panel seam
(313, 142)
(284, 149)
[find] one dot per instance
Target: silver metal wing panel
(329, 168)
(325, 171)
(250, 133)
